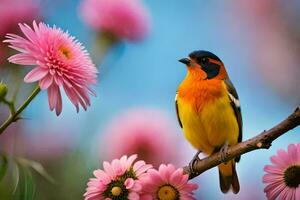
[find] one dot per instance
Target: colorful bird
(208, 111)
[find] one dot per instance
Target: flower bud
(3, 90)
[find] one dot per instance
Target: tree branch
(261, 141)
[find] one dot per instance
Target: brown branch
(261, 141)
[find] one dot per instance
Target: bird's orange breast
(206, 114)
(198, 93)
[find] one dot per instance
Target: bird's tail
(228, 177)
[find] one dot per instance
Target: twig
(11, 106)
(261, 141)
(15, 116)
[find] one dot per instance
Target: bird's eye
(204, 60)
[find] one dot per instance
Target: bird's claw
(194, 161)
(224, 153)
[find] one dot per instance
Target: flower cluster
(127, 179)
(283, 177)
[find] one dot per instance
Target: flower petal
(36, 74)
(273, 169)
(292, 152)
(270, 178)
(52, 96)
(108, 169)
(133, 196)
(129, 182)
(100, 174)
(130, 160)
(273, 190)
(72, 96)
(297, 194)
(22, 59)
(176, 177)
(146, 197)
(143, 169)
(46, 82)
(298, 152)
(137, 187)
(58, 107)
(165, 172)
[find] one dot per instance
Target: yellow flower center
(167, 192)
(65, 52)
(116, 191)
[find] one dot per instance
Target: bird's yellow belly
(211, 127)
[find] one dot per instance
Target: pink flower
(167, 183)
(59, 60)
(124, 19)
(283, 177)
(278, 32)
(134, 132)
(13, 12)
(55, 144)
(118, 180)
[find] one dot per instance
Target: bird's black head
(201, 56)
(209, 62)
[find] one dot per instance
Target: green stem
(104, 41)
(13, 117)
(10, 105)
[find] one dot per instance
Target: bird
(209, 112)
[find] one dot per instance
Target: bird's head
(205, 65)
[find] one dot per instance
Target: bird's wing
(235, 103)
(177, 112)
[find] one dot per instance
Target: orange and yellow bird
(208, 111)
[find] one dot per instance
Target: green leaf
(3, 166)
(38, 167)
(26, 187)
(16, 177)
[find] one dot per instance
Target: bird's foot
(224, 153)
(194, 161)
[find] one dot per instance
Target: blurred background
(259, 42)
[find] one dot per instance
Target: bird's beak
(186, 61)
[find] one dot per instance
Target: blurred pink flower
(148, 133)
(43, 145)
(60, 60)
(55, 145)
(124, 19)
(273, 43)
(118, 180)
(13, 12)
(283, 177)
(167, 183)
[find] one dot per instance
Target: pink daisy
(168, 183)
(283, 177)
(59, 60)
(118, 180)
(132, 132)
(124, 19)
